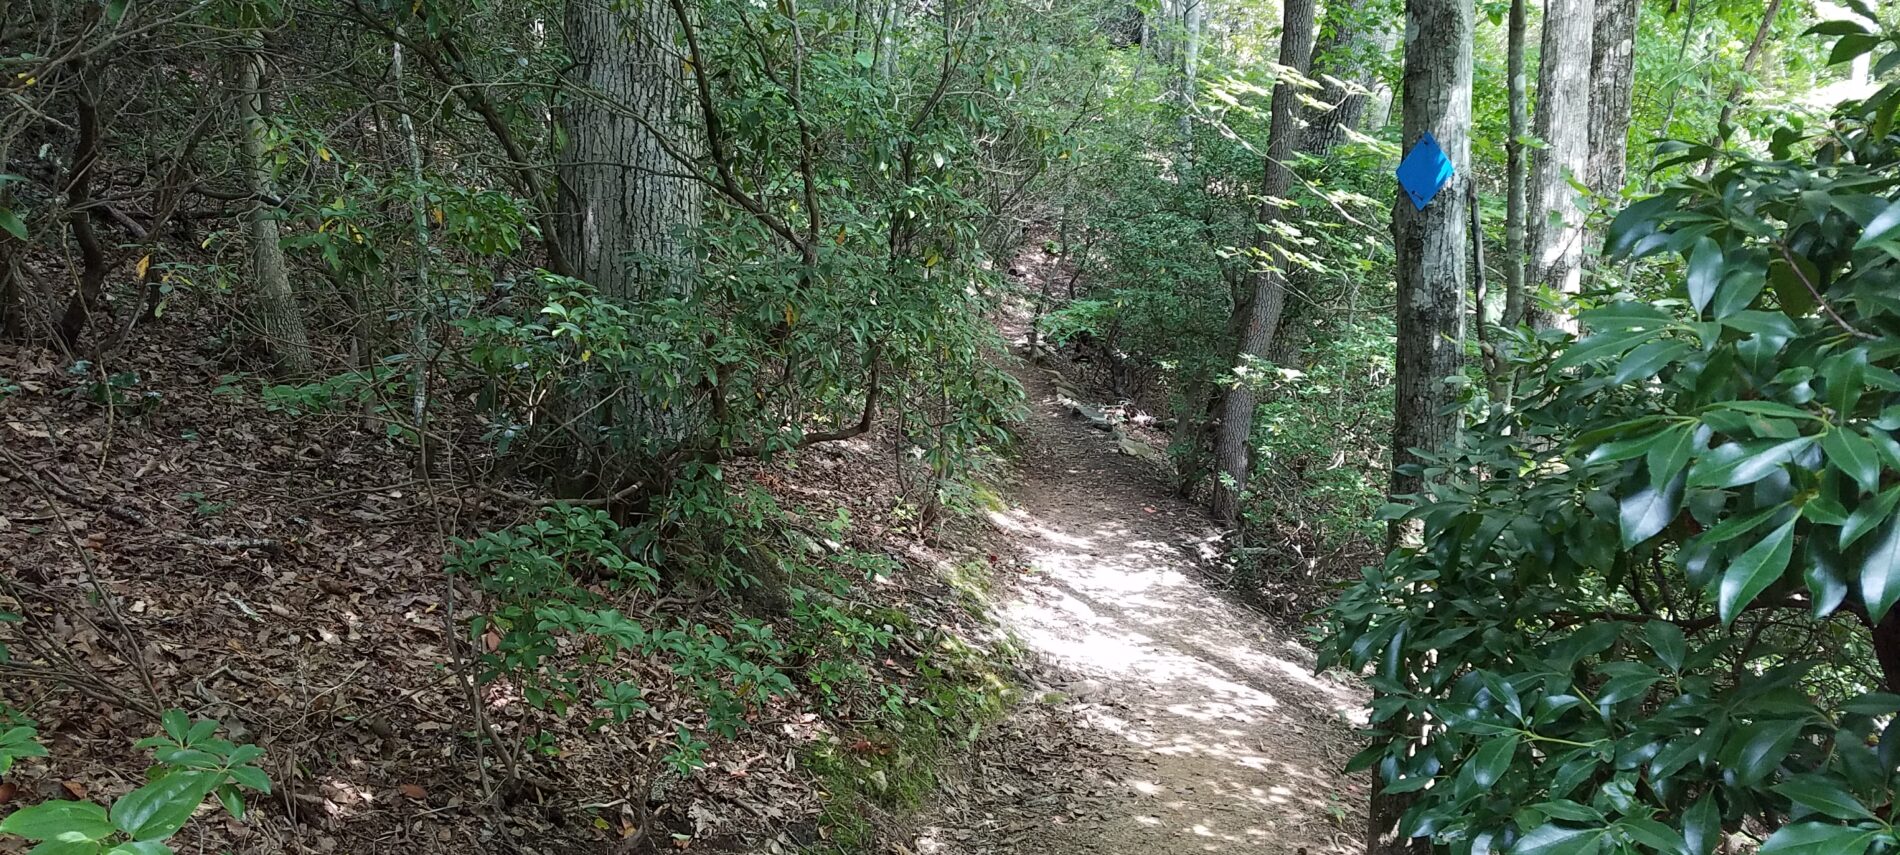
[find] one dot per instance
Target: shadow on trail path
(1214, 734)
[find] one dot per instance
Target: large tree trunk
(1344, 64)
(1431, 284)
(1262, 310)
(1515, 168)
(1612, 77)
(1555, 217)
(622, 206)
(273, 304)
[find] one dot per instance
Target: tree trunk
(89, 297)
(273, 303)
(422, 299)
(1343, 63)
(1612, 77)
(1563, 116)
(622, 209)
(1515, 169)
(1430, 246)
(1261, 312)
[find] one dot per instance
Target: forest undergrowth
(181, 539)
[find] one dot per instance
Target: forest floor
(175, 540)
(1192, 723)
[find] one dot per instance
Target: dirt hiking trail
(1192, 724)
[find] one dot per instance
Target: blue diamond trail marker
(1424, 171)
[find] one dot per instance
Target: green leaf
(1817, 838)
(140, 847)
(115, 10)
(1702, 825)
(1652, 834)
(158, 809)
(1670, 453)
(1827, 585)
(1845, 374)
(1880, 571)
(1854, 456)
(1736, 466)
(1754, 750)
(1647, 511)
(1554, 839)
(1667, 639)
(1883, 227)
(1489, 763)
(52, 820)
(1867, 517)
(1646, 361)
(1824, 795)
(1601, 346)
(252, 777)
(1753, 571)
(1705, 272)
(11, 223)
(1851, 46)
(1835, 28)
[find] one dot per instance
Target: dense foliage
(1653, 603)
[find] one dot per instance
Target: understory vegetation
(560, 425)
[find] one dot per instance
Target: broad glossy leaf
(1754, 750)
(1651, 833)
(158, 809)
(1817, 838)
(1670, 453)
(1827, 583)
(1555, 839)
(1702, 826)
(1885, 226)
(1602, 346)
(140, 847)
(1851, 46)
(1647, 511)
(1669, 642)
(1492, 759)
(1754, 570)
(47, 820)
(1854, 456)
(1648, 360)
(1880, 571)
(1845, 374)
(1825, 795)
(1867, 517)
(1705, 272)
(1735, 465)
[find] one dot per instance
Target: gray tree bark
(623, 203)
(1431, 284)
(273, 303)
(1514, 168)
(1555, 217)
(1342, 63)
(1612, 77)
(1261, 312)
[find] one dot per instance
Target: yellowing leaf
(437, 214)
(323, 154)
(144, 265)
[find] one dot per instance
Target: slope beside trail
(1174, 720)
